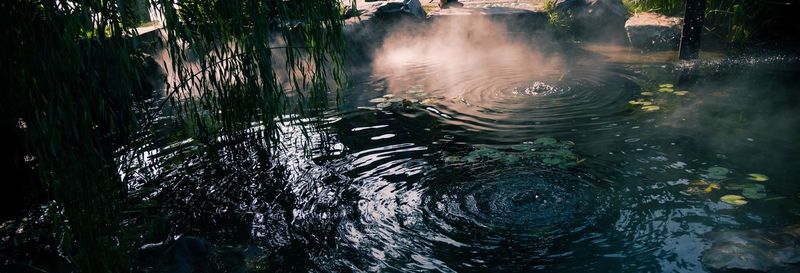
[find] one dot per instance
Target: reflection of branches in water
(77, 65)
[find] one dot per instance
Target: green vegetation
(563, 24)
(730, 20)
(69, 95)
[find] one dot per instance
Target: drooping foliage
(731, 20)
(72, 70)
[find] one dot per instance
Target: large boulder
(651, 31)
(754, 251)
(369, 22)
(595, 19)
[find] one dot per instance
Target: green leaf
(551, 161)
(733, 199)
(681, 93)
(717, 171)
(545, 141)
(666, 90)
(650, 108)
(757, 177)
(754, 193)
(666, 85)
(648, 93)
(522, 147)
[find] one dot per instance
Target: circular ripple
(513, 203)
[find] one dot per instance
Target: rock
(373, 20)
(651, 31)
(595, 19)
(753, 250)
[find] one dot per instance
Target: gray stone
(652, 31)
(595, 19)
(373, 20)
(753, 250)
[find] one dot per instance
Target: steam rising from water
(454, 51)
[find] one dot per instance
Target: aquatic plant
(76, 68)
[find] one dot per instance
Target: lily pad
(681, 93)
(666, 90)
(733, 199)
(754, 193)
(647, 93)
(650, 108)
(485, 152)
(510, 158)
(378, 100)
(666, 85)
(717, 171)
(757, 177)
(551, 161)
(545, 141)
(711, 187)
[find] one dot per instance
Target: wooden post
(692, 27)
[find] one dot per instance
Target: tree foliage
(72, 68)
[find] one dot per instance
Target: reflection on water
(381, 196)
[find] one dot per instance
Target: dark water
(517, 170)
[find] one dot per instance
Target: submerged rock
(651, 31)
(754, 250)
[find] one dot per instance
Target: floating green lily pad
(545, 141)
(733, 199)
(647, 93)
(510, 158)
(754, 193)
(681, 93)
(666, 90)
(717, 171)
(666, 85)
(757, 177)
(378, 100)
(650, 108)
(551, 161)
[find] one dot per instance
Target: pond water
(549, 161)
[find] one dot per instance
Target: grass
(734, 21)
